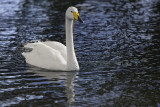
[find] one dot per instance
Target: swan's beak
(77, 17)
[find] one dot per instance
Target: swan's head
(72, 14)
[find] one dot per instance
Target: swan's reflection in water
(56, 76)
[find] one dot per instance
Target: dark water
(118, 49)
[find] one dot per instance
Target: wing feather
(45, 55)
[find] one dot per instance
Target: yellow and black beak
(77, 17)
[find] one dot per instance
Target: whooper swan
(54, 55)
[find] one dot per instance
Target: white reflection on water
(44, 77)
(118, 55)
(57, 76)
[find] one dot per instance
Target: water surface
(118, 50)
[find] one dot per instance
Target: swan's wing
(57, 46)
(44, 56)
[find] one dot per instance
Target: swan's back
(50, 55)
(57, 46)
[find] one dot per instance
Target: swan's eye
(71, 11)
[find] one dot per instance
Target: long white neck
(72, 63)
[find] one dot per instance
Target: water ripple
(117, 48)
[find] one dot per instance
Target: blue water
(118, 50)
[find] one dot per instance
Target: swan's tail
(29, 47)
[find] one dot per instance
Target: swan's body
(54, 55)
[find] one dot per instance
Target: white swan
(55, 55)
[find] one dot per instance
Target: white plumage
(54, 55)
(47, 55)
